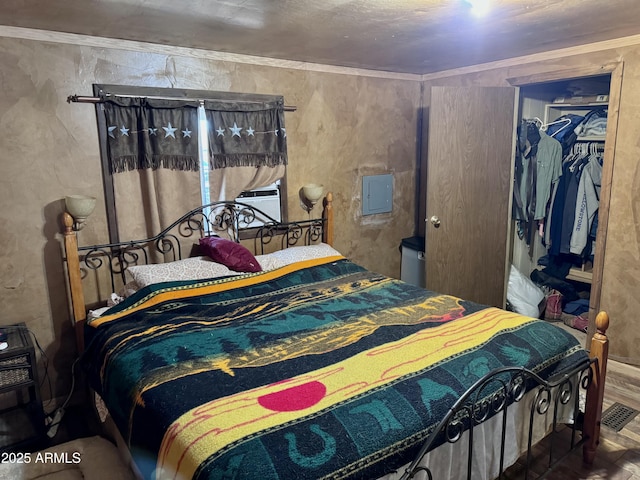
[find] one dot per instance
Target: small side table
(21, 424)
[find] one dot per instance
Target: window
(149, 181)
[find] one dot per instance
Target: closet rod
(81, 99)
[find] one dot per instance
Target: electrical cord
(55, 417)
(45, 362)
(59, 412)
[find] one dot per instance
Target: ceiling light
(479, 8)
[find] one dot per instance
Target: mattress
(319, 369)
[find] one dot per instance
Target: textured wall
(345, 126)
(621, 276)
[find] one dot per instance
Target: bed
(310, 366)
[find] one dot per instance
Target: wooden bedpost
(595, 393)
(75, 279)
(327, 214)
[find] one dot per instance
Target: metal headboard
(233, 220)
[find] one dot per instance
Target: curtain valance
(150, 133)
(158, 133)
(246, 133)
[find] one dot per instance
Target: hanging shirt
(549, 170)
(523, 185)
(587, 203)
(569, 211)
(538, 167)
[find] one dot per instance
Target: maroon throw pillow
(235, 256)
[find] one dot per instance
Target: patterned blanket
(320, 369)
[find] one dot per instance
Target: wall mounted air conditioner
(266, 199)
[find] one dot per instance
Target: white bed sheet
(448, 461)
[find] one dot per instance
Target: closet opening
(559, 160)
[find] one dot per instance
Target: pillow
(267, 262)
(129, 289)
(290, 255)
(235, 256)
(196, 268)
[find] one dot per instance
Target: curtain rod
(81, 99)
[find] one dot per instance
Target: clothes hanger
(566, 121)
(582, 154)
(597, 152)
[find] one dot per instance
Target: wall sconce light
(79, 207)
(311, 193)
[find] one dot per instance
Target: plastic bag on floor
(525, 296)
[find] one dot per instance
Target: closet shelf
(584, 106)
(582, 274)
(591, 138)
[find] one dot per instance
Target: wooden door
(469, 185)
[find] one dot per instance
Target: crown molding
(143, 47)
(538, 57)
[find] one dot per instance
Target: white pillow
(290, 255)
(194, 268)
(199, 268)
(267, 262)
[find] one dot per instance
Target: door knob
(435, 221)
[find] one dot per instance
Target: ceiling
(408, 36)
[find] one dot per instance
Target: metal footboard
(492, 396)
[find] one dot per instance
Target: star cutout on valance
(169, 131)
(236, 131)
